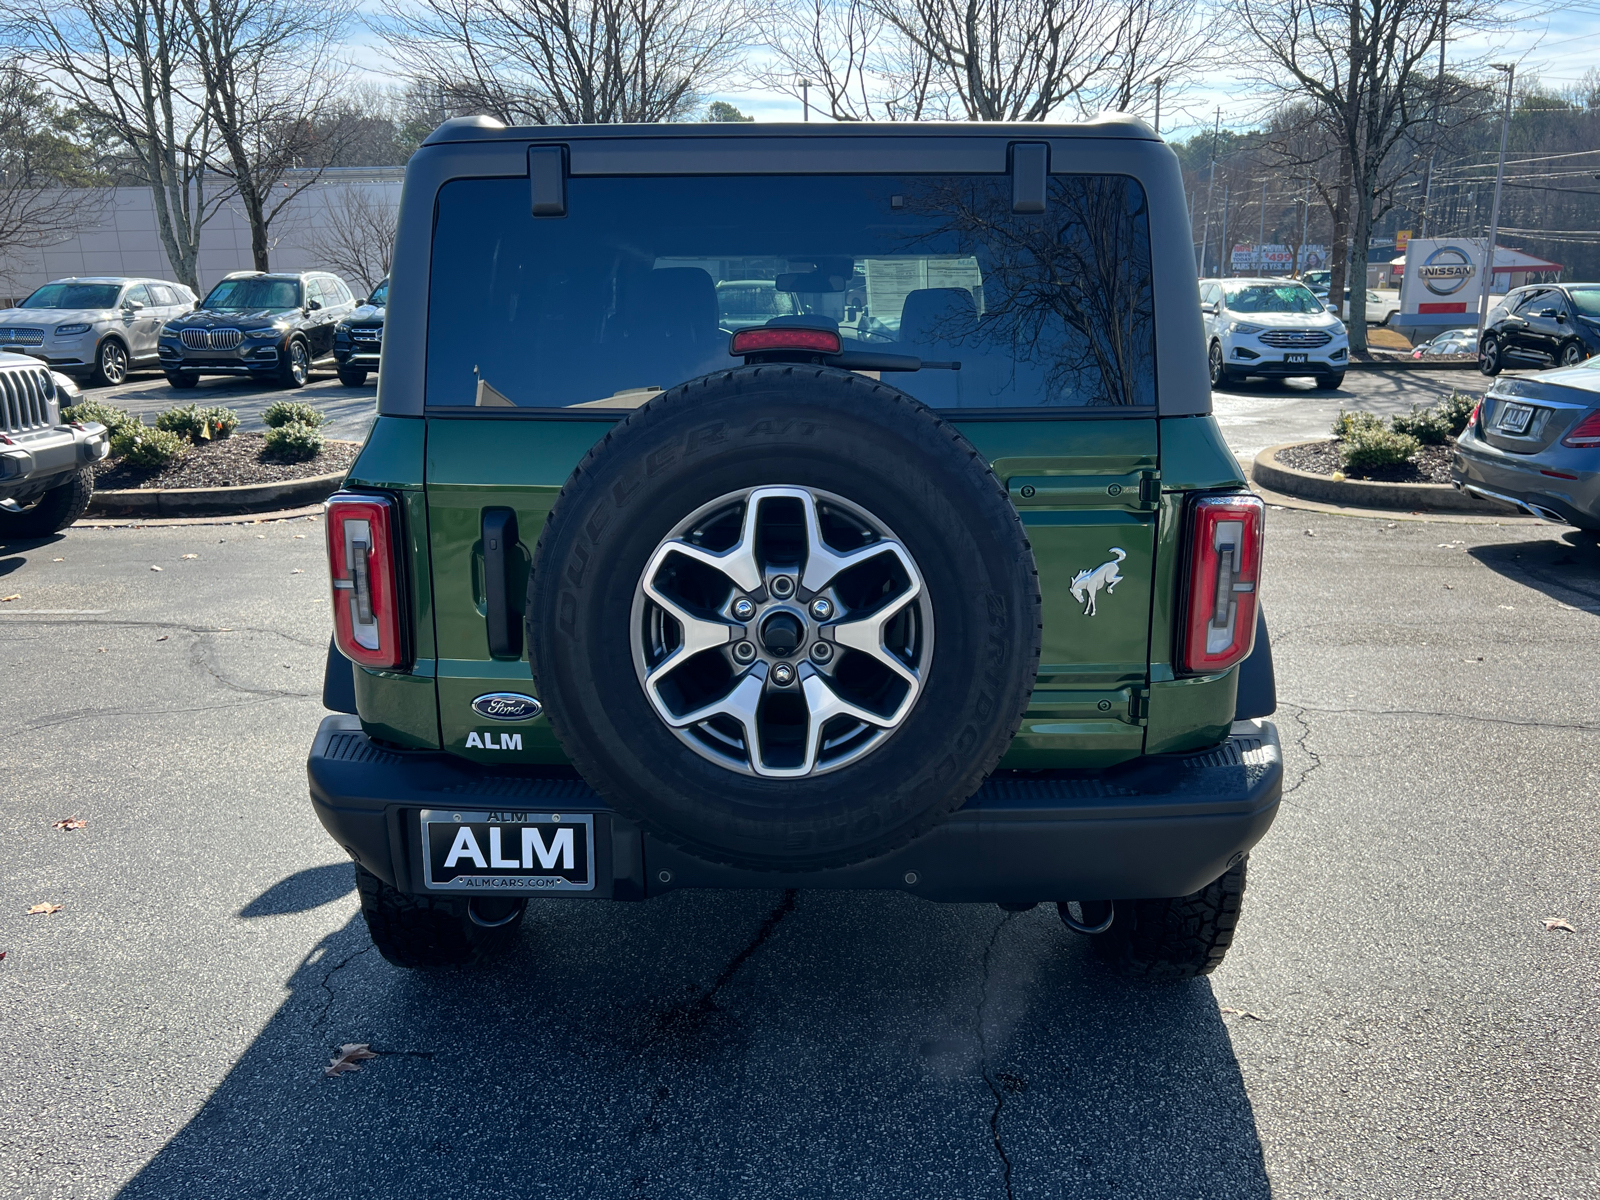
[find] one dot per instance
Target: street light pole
(1158, 106)
(1205, 238)
(1510, 70)
(1261, 238)
(805, 98)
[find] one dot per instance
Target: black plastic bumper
(1164, 825)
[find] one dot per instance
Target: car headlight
(264, 332)
(70, 330)
(1243, 327)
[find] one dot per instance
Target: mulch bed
(1432, 465)
(230, 462)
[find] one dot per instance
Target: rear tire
(1177, 938)
(430, 931)
(183, 380)
(1489, 356)
(54, 511)
(352, 376)
(1328, 383)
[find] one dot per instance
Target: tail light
(1224, 573)
(362, 532)
(1586, 434)
(1472, 417)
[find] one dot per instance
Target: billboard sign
(1275, 260)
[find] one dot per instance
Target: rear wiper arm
(868, 360)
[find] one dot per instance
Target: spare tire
(784, 617)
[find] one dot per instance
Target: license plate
(522, 851)
(1514, 418)
(1296, 358)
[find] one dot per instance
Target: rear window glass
(642, 284)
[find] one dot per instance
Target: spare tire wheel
(784, 617)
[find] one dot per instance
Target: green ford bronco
(785, 507)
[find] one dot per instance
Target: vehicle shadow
(23, 545)
(1565, 568)
(719, 1044)
(304, 890)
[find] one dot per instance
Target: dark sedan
(1545, 325)
(269, 326)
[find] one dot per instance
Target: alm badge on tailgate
(518, 851)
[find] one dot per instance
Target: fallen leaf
(1449, 587)
(70, 823)
(297, 571)
(1310, 533)
(299, 537)
(100, 649)
(349, 1058)
(1551, 924)
(163, 637)
(1508, 607)
(262, 536)
(191, 556)
(1391, 525)
(13, 596)
(43, 910)
(58, 560)
(1241, 1012)
(2, 955)
(155, 568)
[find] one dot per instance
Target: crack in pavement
(695, 1012)
(341, 965)
(180, 627)
(1579, 727)
(995, 1087)
(85, 714)
(203, 655)
(1297, 712)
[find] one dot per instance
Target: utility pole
(1305, 225)
(1205, 238)
(1224, 257)
(1261, 238)
(1510, 70)
(1427, 193)
(1158, 106)
(805, 98)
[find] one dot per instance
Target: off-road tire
(1328, 383)
(430, 931)
(54, 511)
(1178, 938)
(352, 377)
(182, 380)
(1490, 356)
(785, 425)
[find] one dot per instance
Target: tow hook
(1089, 913)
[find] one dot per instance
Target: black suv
(1546, 325)
(358, 340)
(252, 323)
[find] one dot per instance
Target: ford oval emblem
(507, 706)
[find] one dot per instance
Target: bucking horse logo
(1086, 585)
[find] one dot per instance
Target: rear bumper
(1553, 484)
(1163, 825)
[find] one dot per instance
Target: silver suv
(96, 328)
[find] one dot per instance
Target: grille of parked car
(24, 400)
(366, 335)
(211, 339)
(22, 337)
(1296, 337)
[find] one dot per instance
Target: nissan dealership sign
(1446, 270)
(1441, 285)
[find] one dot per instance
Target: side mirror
(132, 305)
(1209, 309)
(313, 305)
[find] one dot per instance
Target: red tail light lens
(752, 341)
(1224, 574)
(362, 531)
(1586, 434)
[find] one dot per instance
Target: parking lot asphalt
(350, 410)
(1395, 1019)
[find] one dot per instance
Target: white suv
(94, 329)
(1271, 327)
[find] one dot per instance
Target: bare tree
(986, 60)
(569, 61)
(1364, 66)
(271, 76)
(43, 199)
(129, 63)
(356, 235)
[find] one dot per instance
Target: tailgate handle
(504, 616)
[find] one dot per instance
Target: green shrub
(140, 446)
(1456, 409)
(93, 410)
(1369, 449)
(1347, 424)
(1428, 425)
(294, 442)
(199, 424)
(291, 412)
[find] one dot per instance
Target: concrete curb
(1412, 365)
(310, 512)
(215, 502)
(1362, 493)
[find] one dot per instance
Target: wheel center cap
(780, 634)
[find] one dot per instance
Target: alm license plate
(1514, 418)
(522, 851)
(1295, 358)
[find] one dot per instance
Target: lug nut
(822, 652)
(783, 674)
(744, 651)
(744, 609)
(782, 586)
(821, 609)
